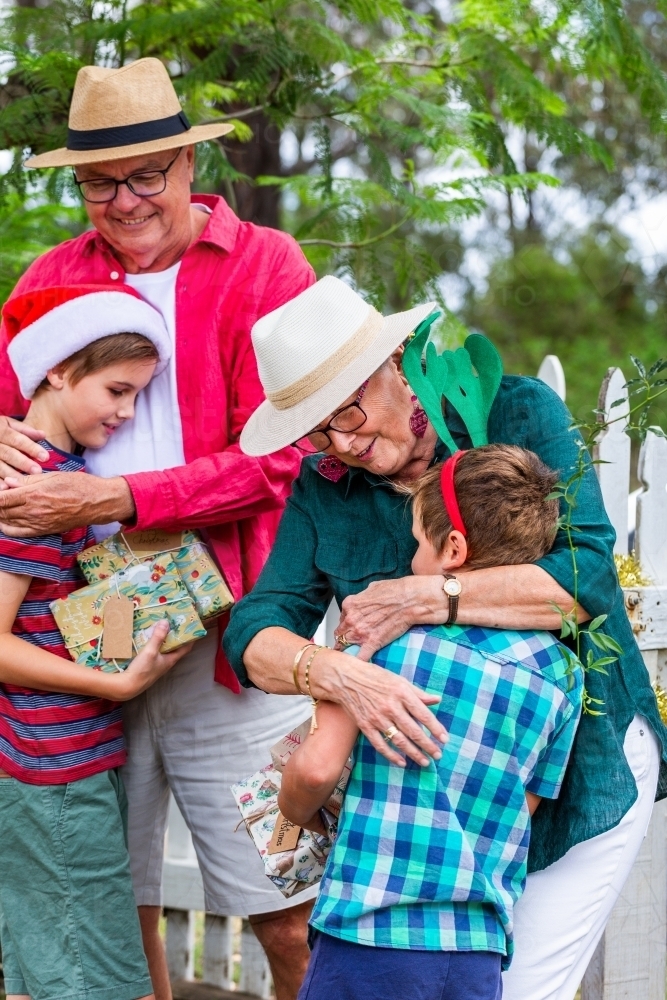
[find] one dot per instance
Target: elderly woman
(331, 370)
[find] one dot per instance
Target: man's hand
(19, 452)
(149, 664)
(54, 502)
(387, 609)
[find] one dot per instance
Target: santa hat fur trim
(48, 325)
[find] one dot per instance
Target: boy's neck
(44, 415)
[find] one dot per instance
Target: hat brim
(77, 157)
(270, 429)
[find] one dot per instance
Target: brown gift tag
(143, 543)
(117, 634)
(285, 836)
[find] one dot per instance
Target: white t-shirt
(153, 440)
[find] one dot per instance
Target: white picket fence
(629, 963)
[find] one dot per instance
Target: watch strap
(453, 602)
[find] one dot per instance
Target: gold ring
(389, 734)
(343, 640)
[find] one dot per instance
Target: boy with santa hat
(68, 920)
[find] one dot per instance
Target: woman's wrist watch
(452, 588)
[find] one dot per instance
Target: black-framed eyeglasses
(144, 184)
(346, 420)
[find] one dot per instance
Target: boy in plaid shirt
(429, 861)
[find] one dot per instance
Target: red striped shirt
(48, 738)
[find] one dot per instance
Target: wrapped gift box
(156, 591)
(291, 871)
(201, 576)
(257, 798)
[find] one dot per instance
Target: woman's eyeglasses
(145, 185)
(346, 420)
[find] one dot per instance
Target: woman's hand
(375, 699)
(515, 597)
(379, 702)
(387, 609)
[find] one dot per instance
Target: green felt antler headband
(468, 378)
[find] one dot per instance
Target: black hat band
(127, 135)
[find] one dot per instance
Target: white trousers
(560, 918)
(189, 735)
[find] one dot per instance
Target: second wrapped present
(156, 591)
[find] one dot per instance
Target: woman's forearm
(518, 597)
(521, 597)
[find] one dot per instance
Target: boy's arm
(312, 772)
(28, 666)
(533, 802)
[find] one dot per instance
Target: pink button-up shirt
(232, 275)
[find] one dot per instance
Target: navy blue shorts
(340, 970)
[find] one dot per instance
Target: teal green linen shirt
(336, 538)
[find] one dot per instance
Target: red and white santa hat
(48, 325)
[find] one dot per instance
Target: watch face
(452, 587)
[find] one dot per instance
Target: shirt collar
(221, 229)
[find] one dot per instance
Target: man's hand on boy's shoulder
(53, 502)
(19, 451)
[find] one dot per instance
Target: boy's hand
(149, 664)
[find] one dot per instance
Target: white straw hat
(125, 112)
(312, 354)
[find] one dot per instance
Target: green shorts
(68, 920)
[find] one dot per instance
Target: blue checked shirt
(434, 858)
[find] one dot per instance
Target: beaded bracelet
(313, 723)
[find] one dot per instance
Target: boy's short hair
(502, 494)
(106, 351)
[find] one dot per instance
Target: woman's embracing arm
(529, 414)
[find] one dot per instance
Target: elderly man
(176, 465)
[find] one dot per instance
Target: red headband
(449, 493)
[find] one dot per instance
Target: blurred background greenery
(487, 153)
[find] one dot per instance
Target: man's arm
(312, 772)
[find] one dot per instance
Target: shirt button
(641, 732)
(114, 275)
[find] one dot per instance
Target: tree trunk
(260, 156)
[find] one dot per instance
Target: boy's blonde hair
(104, 352)
(502, 494)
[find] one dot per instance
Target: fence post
(218, 951)
(180, 943)
(551, 373)
(612, 451)
(255, 976)
(652, 508)
(629, 962)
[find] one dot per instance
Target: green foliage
(387, 92)
(583, 299)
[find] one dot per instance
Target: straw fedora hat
(125, 112)
(314, 352)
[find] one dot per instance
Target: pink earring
(418, 419)
(332, 468)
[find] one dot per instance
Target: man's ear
(190, 160)
(455, 552)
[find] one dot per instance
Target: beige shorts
(195, 737)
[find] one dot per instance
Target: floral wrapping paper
(157, 592)
(201, 576)
(294, 870)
